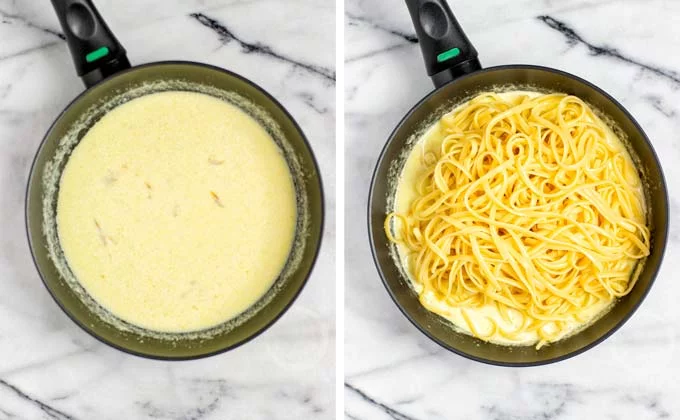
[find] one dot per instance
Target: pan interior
(54, 167)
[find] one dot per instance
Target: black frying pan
(102, 64)
(452, 63)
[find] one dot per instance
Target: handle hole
(80, 21)
(433, 20)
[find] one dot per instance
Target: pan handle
(447, 52)
(96, 52)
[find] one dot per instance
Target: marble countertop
(49, 368)
(628, 48)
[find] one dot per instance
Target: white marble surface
(392, 370)
(49, 368)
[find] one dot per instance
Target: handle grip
(447, 52)
(96, 52)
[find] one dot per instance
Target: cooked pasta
(526, 218)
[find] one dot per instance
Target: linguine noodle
(529, 206)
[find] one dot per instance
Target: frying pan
(452, 63)
(102, 64)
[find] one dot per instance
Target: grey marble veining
(49, 368)
(395, 372)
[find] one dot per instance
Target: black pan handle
(96, 52)
(448, 53)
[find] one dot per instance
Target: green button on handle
(97, 54)
(448, 54)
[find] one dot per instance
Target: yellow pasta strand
(527, 206)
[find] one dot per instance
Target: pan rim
(317, 242)
(663, 229)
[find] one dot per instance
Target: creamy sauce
(414, 167)
(176, 212)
